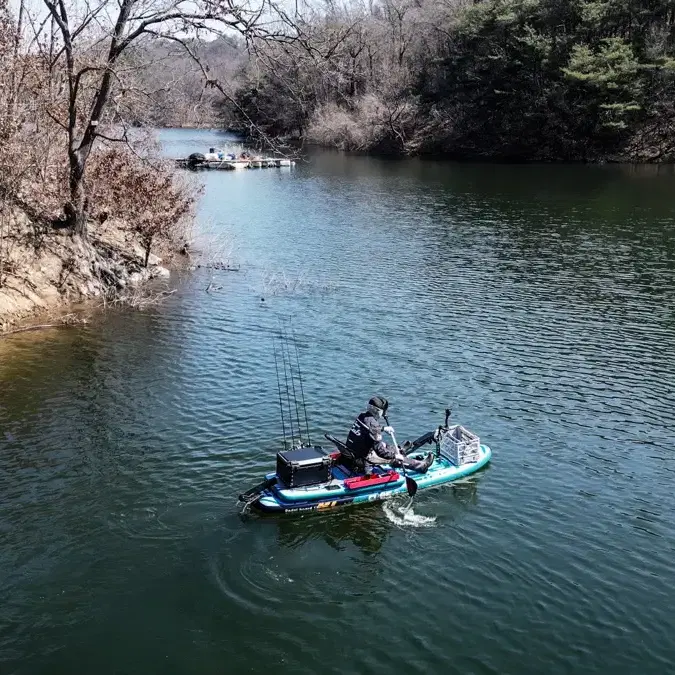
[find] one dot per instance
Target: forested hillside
(174, 76)
(503, 79)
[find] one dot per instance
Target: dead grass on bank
(140, 207)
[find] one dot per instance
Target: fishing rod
(302, 389)
(288, 394)
(281, 407)
(295, 395)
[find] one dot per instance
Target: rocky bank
(45, 270)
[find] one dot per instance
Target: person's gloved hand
(388, 430)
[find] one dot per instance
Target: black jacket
(364, 436)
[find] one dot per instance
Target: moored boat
(218, 159)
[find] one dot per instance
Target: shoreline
(300, 142)
(51, 276)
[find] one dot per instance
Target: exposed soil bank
(45, 270)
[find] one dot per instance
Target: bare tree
(94, 36)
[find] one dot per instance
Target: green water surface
(537, 301)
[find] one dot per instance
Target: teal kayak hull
(276, 498)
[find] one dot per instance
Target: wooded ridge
(586, 80)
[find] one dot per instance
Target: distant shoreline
(285, 141)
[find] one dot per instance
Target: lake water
(537, 301)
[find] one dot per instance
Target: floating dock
(200, 162)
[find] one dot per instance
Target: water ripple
(537, 304)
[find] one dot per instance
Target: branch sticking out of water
(280, 283)
(215, 248)
(139, 297)
(63, 321)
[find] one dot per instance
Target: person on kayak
(366, 447)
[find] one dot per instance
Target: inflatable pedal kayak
(312, 479)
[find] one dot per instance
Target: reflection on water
(362, 528)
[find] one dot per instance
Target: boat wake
(403, 515)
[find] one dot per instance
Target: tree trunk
(13, 94)
(2, 243)
(76, 209)
(148, 246)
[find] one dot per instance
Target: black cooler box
(304, 466)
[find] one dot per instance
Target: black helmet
(379, 402)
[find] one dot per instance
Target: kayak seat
(342, 472)
(341, 459)
(343, 462)
(337, 443)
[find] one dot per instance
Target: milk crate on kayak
(460, 445)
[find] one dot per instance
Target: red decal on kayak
(366, 481)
